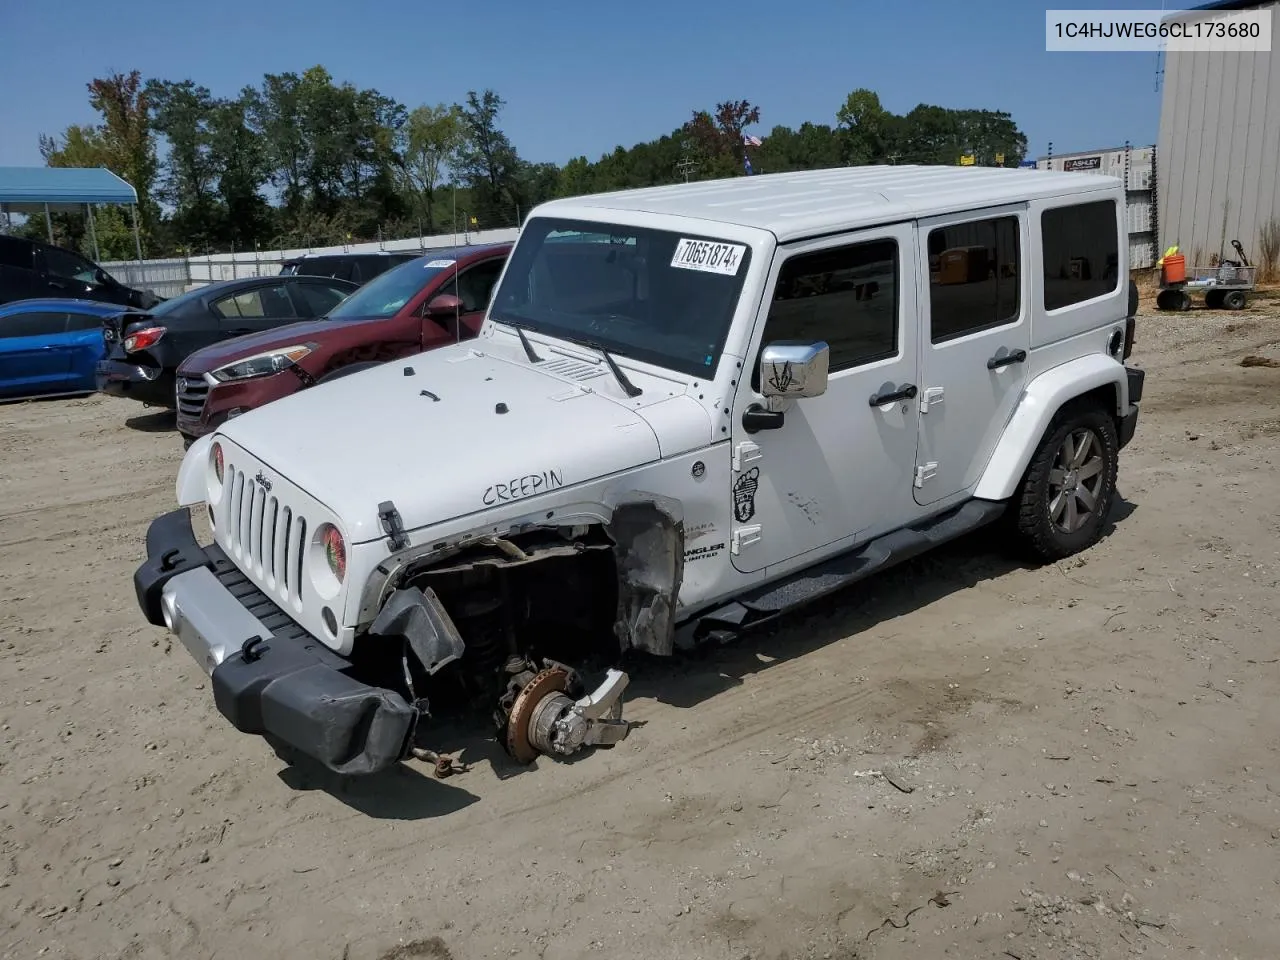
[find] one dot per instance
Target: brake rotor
(544, 684)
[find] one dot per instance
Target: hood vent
(572, 368)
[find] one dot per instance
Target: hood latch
(392, 525)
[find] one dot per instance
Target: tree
(863, 121)
(239, 161)
(487, 162)
(718, 138)
(182, 113)
(127, 139)
(433, 137)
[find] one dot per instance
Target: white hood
(381, 435)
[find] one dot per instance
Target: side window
(17, 253)
(32, 325)
(83, 321)
(973, 277)
(320, 298)
(1081, 252)
(476, 285)
(846, 296)
(67, 265)
(258, 303)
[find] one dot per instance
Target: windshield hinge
(392, 525)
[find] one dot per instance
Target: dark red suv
(430, 301)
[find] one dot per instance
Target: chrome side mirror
(794, 370)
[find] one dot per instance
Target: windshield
(664, 298)
(388, 292)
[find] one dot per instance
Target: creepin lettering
(530, 485)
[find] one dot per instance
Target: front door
(839, 466)
(977, 332)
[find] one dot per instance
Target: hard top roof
(810, 202)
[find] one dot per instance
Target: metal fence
(173, 276)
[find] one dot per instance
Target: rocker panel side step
(775, 599)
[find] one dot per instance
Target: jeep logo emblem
(263, 481)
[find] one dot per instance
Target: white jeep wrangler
(689, 410)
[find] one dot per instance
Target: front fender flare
(191, 486)
(1041, 400)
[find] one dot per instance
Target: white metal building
(1219, 156)
(1136, 166)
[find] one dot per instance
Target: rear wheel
(1213, 299)
(1234, 300)
(1069, 485)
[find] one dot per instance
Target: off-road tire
(1036, 533)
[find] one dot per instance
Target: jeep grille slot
(235, 493)
(255, 526)
(282, 548)
(269, 539)
(297, 543)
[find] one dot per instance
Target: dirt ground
(1082, 760)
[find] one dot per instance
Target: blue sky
(581, 78)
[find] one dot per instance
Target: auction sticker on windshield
(437, 264)
(710, 257)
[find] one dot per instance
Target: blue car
(51, 347)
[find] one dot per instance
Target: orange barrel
(1175, 269)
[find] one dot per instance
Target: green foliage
(302, 160)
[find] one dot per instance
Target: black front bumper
(290, 688)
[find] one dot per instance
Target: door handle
(1016, 356)
(906, 393)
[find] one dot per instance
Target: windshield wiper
(629, 388)
(524, 341)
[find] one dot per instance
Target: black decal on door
(744, 495)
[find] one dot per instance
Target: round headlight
(335, 550)
(215, 457)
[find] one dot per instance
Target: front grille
(267, 538)
(192, 393)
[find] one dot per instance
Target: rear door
(977, 332)
(258, 308)
(33, 355)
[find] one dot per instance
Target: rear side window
(973, 277)
(32, 325)
(847, 296)
(320, 298)
(64, 264)
(1081, 253)
(258, 303)
(83, 321)
(16, 253)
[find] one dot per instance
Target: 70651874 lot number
(708, 256)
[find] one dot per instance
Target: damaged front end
(509, 624)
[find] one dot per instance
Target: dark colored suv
(30, 269)
(356, 267)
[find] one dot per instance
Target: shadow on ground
(162, 421)
(410, 791)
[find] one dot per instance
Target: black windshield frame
(702, 322)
